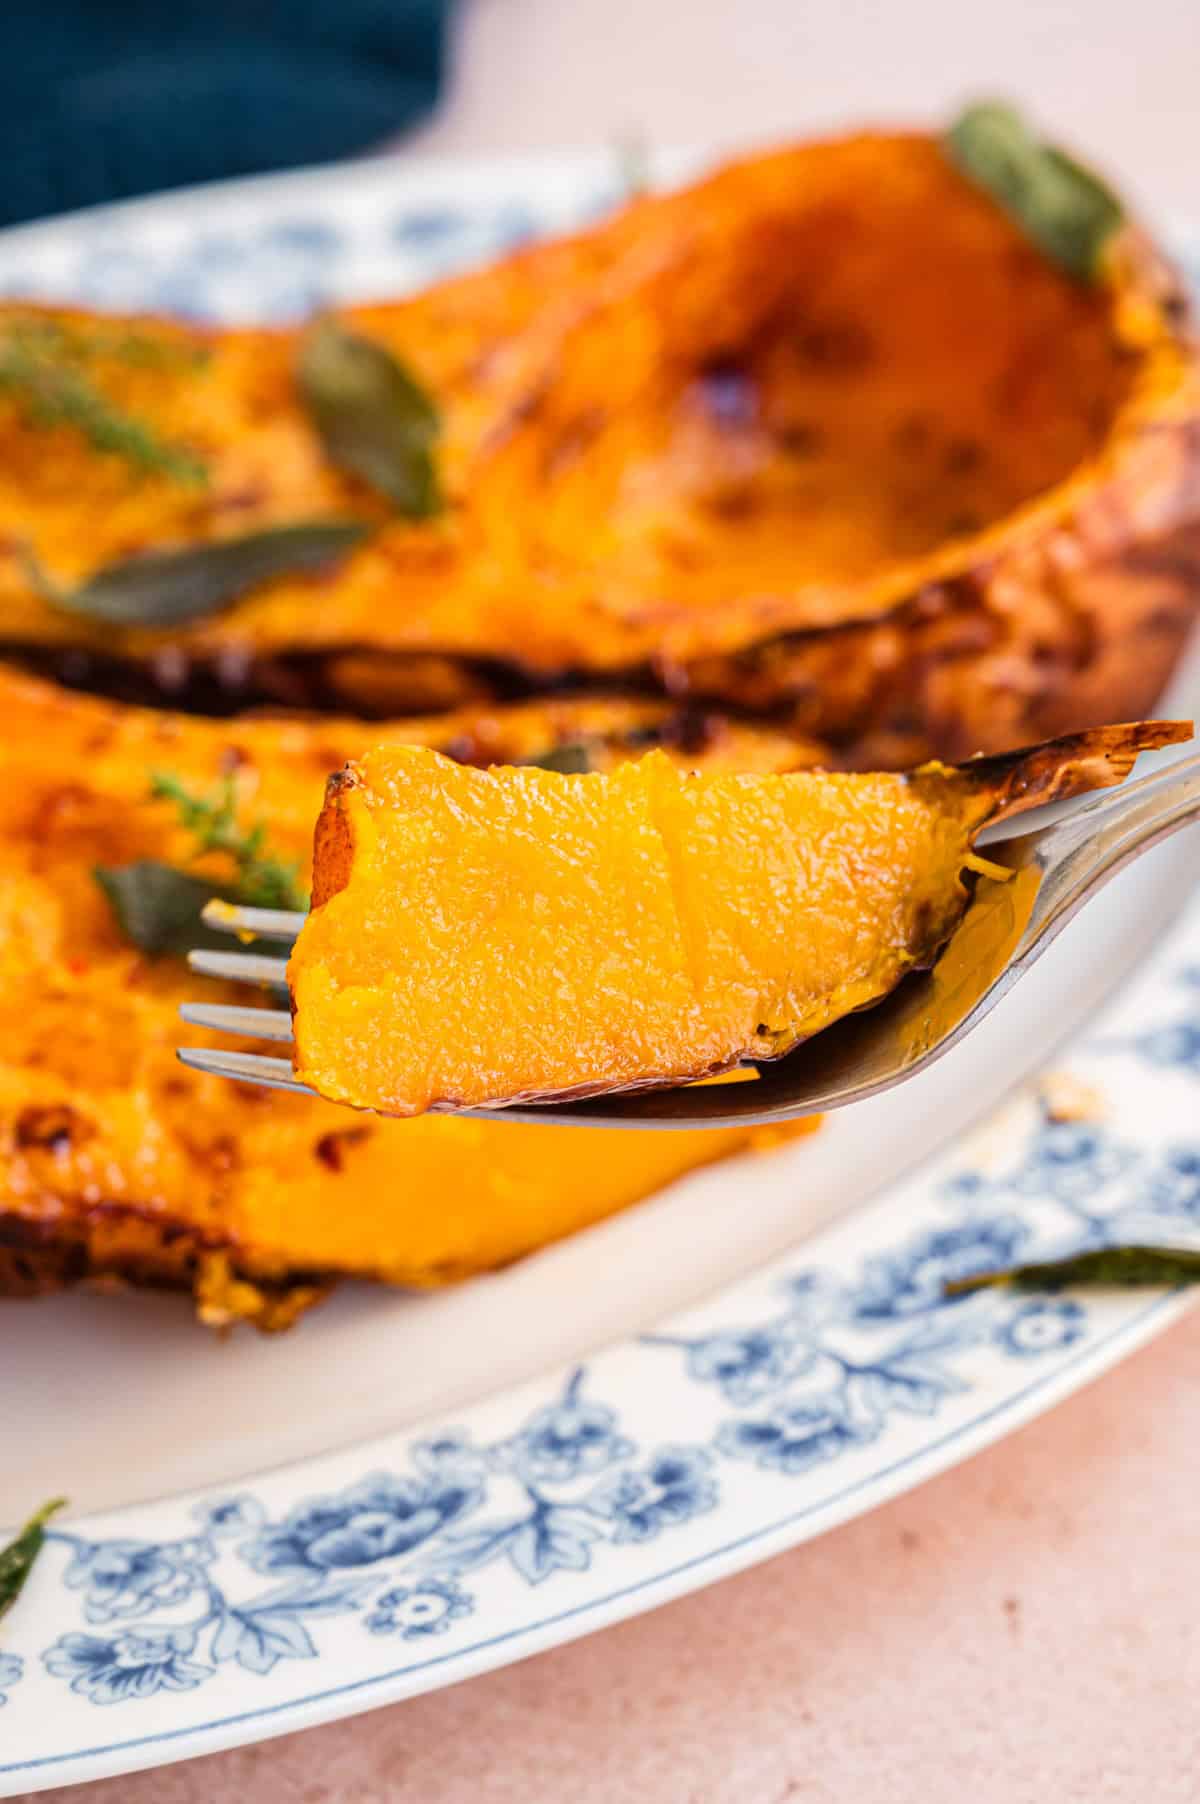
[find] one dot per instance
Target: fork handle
(1080, 853)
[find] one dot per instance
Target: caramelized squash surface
(479, 937)
(824, 432)
(114, 1161)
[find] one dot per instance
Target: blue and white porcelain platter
(404, 1492)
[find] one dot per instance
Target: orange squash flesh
(824, 432)
(117, 1164)
(480, 937)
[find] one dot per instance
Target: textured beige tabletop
(1026, 1628)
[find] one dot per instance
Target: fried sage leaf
(171, 588)
(1067, 211)
(1120, 1265)
(375, 420)
(16, 1560)
(158, 907)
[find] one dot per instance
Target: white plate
(407, 1491)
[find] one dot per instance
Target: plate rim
(266, 1722)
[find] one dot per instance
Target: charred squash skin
(486, 937)
(824, 435)
(117, 1165)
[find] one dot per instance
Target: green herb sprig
(193, 582)
(43, 370)
(158, 907)
(263, 880)
(572, 758)
(373, 417)
(1123, 1266)
(1068, 212)
(17, 1558)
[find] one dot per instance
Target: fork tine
(262, 923)
(248, 1067)
(239, 967)
(258, 1023)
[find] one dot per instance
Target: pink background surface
(1024, 1629)
(1027, 1627)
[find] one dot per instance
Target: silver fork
(1005, 929)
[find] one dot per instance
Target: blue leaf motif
(903, 1384)
(258, 1639)
(945, 1331)
(475, 1547)
(555, 1537)
(322, 1599)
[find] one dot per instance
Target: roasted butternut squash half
(117, 1164)
(483, 937)
(833, 433)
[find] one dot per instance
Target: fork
(1007, 925)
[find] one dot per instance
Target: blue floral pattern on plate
(826, 1374)
(790, 1401)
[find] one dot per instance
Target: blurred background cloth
(105, 98)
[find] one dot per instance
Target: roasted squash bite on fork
(487, 937)
(118, 1165)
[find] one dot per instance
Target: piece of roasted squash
(116, 1163)
(828, 432)
(483, 937)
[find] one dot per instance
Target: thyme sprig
(263, 880)
(43, 370)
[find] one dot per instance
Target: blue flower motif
(565, 1440)
(114, 273)
(797, 1436)
(1173, 1046)
(1070, 1161)
(451, 1454)
(376, 1519)
(11, 1668)
(231, 1515)
(814, 1299)
(749, 1364)
(1042, 1327)
(413, 1611)
(128, 1578)
(1174, 1188)
(133, 1664)
(966, 1186)
(314, 241)
(911, 1281)
(676, 1485)
(427, 226)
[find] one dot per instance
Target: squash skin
(116, 1165)
(482, 938)
(1067, 606)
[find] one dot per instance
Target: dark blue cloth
(105, 98)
